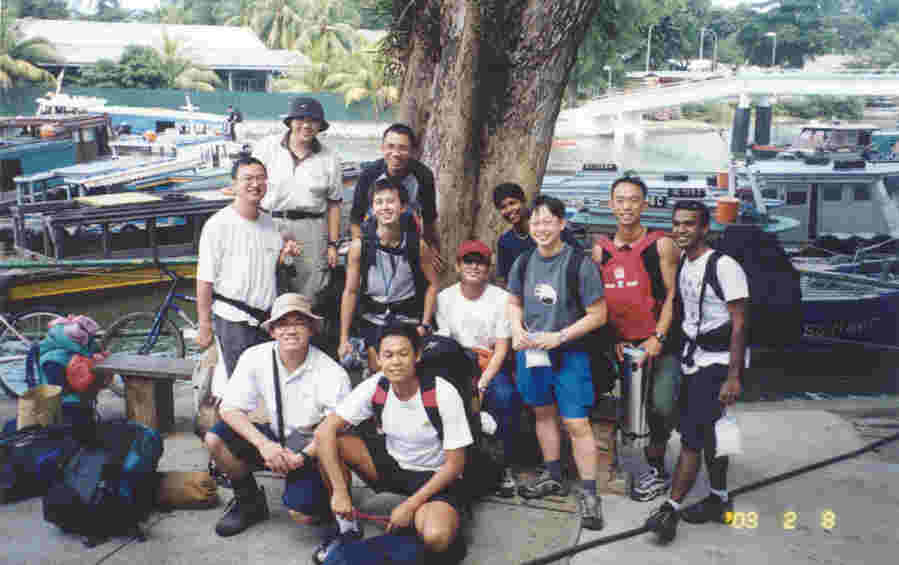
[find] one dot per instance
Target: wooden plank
(149, 402)
(146, 366)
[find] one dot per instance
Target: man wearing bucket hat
(305, 192)
(299, 385)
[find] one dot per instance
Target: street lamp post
(649, 45)
(609, 69)
(773, 37)
(714, 50)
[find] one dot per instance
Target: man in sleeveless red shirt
(638, 269)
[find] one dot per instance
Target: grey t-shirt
(544, 292)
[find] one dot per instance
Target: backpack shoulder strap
(367, 257)
(649, 239)
(606, 245)
(379, 398)
(711, 274)
(572, 270)
(522, 270)
(428, 387)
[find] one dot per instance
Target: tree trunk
(482, 88)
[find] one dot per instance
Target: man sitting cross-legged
(419, 452)
(309, 384)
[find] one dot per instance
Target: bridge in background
(627, 108)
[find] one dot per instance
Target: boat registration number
(686, 192)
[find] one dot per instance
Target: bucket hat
(291, 302)
(305, 108)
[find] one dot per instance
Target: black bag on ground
(379, 550)
(32, 459)
(775, 294)
(109, 485)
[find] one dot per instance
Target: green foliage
(363, 79)
(43, 9)
(804, 29)
(19, 57)
(138, 67)
(110, 11)
(810, 107)
(883, 53)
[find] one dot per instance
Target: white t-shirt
(410, 437)
(307, 186)
(240, 257)
(473, 323)
(714, 310)
(308, 394)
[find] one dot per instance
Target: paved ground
(862, 494)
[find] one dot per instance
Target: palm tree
(323, 20)
(364, 78)
(312, 76)
(180, 71)
(277, 22)
(19, 56)
(238, 13)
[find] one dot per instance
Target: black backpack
(411, 251)
(598, 343)
(32, 459)
(112, 480)
(444, 357)
(774, 312)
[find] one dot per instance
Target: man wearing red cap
(473, 313)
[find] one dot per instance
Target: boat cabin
(835, 137)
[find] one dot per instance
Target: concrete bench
(149, 394)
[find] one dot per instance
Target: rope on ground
(567, 552)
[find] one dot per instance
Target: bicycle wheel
(32, 325)
(129, 333)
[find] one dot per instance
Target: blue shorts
(568, 382)
(304, 489)
(700, 407)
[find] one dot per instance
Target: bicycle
(18, 333)
(152, 333)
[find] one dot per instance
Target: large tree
(19, 56)
(482, 86)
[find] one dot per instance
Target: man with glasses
(553, 364)
(299, 386)
(240, 248)
(306, 180)
(638, 268)
(510, 202)
(712, 364)
(473, 312)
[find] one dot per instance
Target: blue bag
(397, 549)
(32, 459)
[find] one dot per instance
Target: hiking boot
(241, 513)
(335, 538)
(664, 522)
(709, 509)
(543, 485)
(650, 485)
(507, 484)
(589, 507)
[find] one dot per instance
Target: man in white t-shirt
(473, 312)
(712, 364)
(240, 249)
(299, 385)
(411, 455)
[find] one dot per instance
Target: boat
(831, 140)
(30, 145)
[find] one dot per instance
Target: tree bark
(482, 88)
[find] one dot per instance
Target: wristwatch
(660, 336)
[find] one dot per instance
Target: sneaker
(334, 539)
(650, 485)
(543, 485)
(507, 484)
(664, 522)
(240, 514)
(590, 509)
(709, 509)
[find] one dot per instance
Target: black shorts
(700, 407)
(393, 478)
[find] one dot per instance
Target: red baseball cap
(473, 246)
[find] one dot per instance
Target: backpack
(597, 343)
(443, 356)
(633, 308)
(379, 550)
(775, 316)
(411, 251)
(32, 459)
(112, 479)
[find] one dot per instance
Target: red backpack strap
(649, 239)
(378, 399)
(428, 387)
(606, 245)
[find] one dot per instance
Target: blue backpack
(112, 479)
(379, 550)
(32, 459)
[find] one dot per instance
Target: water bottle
(728, 439)
(636, 428)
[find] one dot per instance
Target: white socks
(346, 525)
(674, 504)
(722, 494)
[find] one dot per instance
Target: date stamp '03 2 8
(826, 519)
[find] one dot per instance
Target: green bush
(810, 107)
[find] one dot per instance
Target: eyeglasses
(475, 259)
(249, 180)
